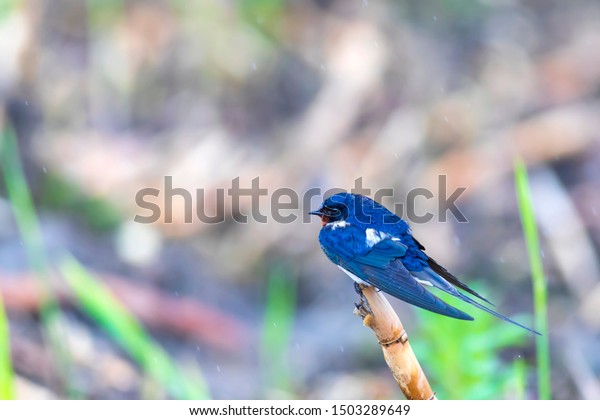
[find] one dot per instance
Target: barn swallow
(375, 247)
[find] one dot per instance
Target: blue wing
(440, 283)
(393, 267)
(381, 266)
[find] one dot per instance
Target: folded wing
(382, 267)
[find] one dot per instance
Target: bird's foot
(362, 307)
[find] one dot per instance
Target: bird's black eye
(334, 212)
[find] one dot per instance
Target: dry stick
(378, 315)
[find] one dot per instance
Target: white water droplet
(218, 369)
(342, 349)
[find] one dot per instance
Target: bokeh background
(101, 98)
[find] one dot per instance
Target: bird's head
(358, 209)
(336, 208)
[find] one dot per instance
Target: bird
(375, 247)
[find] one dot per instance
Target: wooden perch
(378, 315)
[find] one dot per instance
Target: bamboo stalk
(378, 315)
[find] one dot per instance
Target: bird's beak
(322, 213)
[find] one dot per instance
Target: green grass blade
(519, 378)
(537, 276)
(276, 331)
(100, 305)
(21, 201)
(27, 222)
(6, 372)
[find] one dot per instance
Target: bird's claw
(362, 310)
(362, 307)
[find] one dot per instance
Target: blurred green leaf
(101, 306)
(61, 195)
(462, 359)
(21, 201)
(537, 277)
(519, 378)
(27, 222)
(263, 12)
(103, 12)
(7, 7)
(276, 331)
(6, 373)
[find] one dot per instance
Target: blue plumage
(374, 246)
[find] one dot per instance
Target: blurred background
(101, 98)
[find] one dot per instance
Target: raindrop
(365, 3)
(456, 240)
(435, 18)
(342, 349)
(218, 369)
(446, 118)
(176, 294)
(275, 324)
(501, 260)
(254, 67)
(44, 169)
(26, 103)
(594, 211)
(542, 254)
(198, 348)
